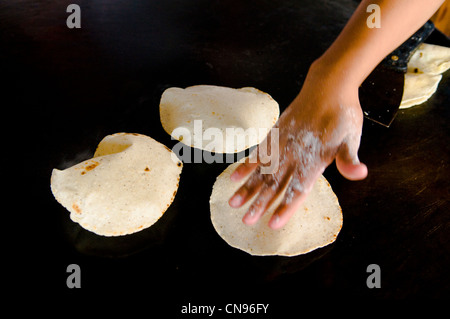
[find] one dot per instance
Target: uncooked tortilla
(126, 187)
(316, 224)
(243, 117)
(424, 73)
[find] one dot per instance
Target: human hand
(323, 123)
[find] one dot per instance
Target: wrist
(327, 94)
(334, 75)
(340, 71)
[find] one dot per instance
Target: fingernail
(274, 222)
(248, 217)
(277, 219)
(235, 200)
(235, 177)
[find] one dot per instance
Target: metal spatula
(381, 93)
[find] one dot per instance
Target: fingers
(259, 205)
(304, 174)
(268, 194)
(244, 170)
(269, 191)
(350, 170)
(251, 187)
(347, 161)
(296, 193)
(286, 210)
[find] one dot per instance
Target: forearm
(358, 49)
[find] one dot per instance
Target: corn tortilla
(250, 112)
(424, 73)
(126, 187)
(316, 224)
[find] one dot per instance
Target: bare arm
(324, 122)
(358, 43)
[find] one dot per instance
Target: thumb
(347, 160)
